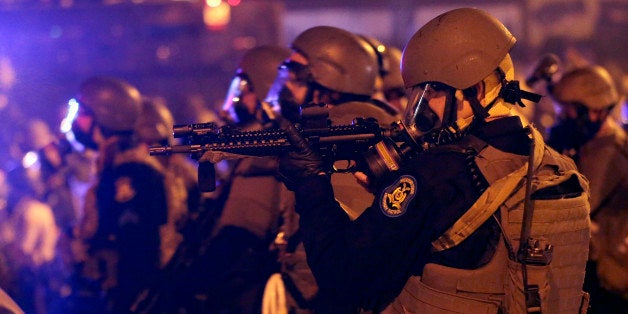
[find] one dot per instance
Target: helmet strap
(512, 93)
(479, 112)
(451, 108)
(454, 125)
(509, 91)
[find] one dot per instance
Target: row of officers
(480, 213)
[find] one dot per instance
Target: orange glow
(217, 17)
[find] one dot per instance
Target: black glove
(301, 161)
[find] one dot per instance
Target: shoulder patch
(124, 190)
(395, 199)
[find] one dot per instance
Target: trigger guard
(351, 167)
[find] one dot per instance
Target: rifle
(350, 142)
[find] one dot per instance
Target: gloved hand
(301, 161)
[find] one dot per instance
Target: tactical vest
(498, 287)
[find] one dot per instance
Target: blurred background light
(216, 14)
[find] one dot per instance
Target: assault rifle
(350, 142)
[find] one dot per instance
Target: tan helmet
(389, 62)
(393, 79)
(379, 49)
(260, 65)
(592, 86)
(338, 59)
(458, 48)
(115, 103)
(155, 123)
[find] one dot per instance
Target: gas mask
(282, 98)
(422, 123)
(234, 106)
(570, 134)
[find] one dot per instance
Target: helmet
(155, 123)
(256, 73)
(115, 103)
(392, 79)
(338, 59)
(458, 48)
(379, 49)
(591, 86)
(451, 53)
(260, 65)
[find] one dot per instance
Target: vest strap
(495, 195)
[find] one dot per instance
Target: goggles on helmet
(288, 71)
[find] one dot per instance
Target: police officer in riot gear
(586, 97)
(587, 132)
(233, 258)
(332, 67)
(128, 203)
(434, 228)
(154, 127)
(237, 260)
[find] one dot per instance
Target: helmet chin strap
(479, 112)
(454, 125)
(509, 92)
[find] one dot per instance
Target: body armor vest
(560, 200)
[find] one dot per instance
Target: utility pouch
(531, 300)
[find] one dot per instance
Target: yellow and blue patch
(395, 199)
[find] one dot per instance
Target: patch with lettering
(396, 198)
(124, 190)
